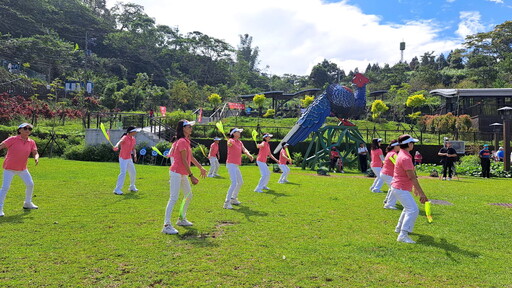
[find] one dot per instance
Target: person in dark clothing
(449, 156)
(362, 153)
(485, 161)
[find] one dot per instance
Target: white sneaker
(266, 188)
(280, 182)
(184, 222)
(118, 192)
(444, 178)
(234, 201)
(216, 175)
(377, 191)
(227, 205)
(210, 176)
(29, 206)
(134, 189)
(168, 229)
(405, 239)
(397, 230)
(390, 207)
(258, 190)
(2, 213)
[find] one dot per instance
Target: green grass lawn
(314, 232)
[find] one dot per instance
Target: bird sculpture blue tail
(340, 101)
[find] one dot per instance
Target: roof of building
(481, 92)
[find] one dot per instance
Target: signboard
(163, 110)
(459, 146)
(239, 106)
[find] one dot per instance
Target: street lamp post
(496, 128)
(506, 115)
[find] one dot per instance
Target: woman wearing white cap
(234, 160)
(19, 149)
(404, 180)
(263, 154)
(179, 173)
(283, 159)
(213, 156)
(376, 164)
(127, 144)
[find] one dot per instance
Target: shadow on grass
(129, 196)
(448, 248)
(18, 218)
(292, 183)
(201, 239)
(276, 195)
(250, 213)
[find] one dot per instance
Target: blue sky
(295, 35)
(446, 14)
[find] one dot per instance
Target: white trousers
(27, 179)
(286, 170)
(177, 181)
(265, 175)
(236, 181)
(390, 197)
(126, 165)
(377, 183)
(410, 212)
(214, 166)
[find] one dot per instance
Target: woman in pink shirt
(127, 144)
(376, 165)
(404, 180)
(213, 156)
(19, 149)
(386, 174)
(283, 159)
(234, 160)
(263, 154)
(179, 172)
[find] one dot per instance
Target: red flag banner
(236, 106)
(163, 110)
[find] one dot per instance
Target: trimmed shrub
(98, 153)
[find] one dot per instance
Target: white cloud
(469, 24)
(496, 1)
(293, 36)
(451, 1)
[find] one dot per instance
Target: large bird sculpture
(337, 100)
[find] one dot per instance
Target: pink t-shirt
(18, 151)
(235, 152)
(214, 150)
(264, 152)
(376, 161)
(178, 166)
(127, 145)
(400, 178)
(388, 167)
(283, 156)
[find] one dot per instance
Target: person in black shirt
(485, 157)
(449, 156)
